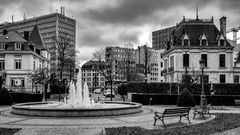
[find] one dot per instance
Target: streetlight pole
(203, 100)
(145, 78)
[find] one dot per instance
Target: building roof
(92, 64)
(12, 37)
(196, 28)
(36, 38)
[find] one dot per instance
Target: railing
(171, 69)
(164, 71)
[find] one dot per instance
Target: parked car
(109, 95)
(97, 91)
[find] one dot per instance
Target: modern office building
(121, 64)
(151, 57)
(161, 37)
(199, 39)
(20, 57)
(50, 26)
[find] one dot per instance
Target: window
(222, 78)
(221, 42)
(2, 65)
(204, 42)
(185, 42)
(18, 46)
(2, 46)
(235, 79)
(18, 62)
(34, 63)
(161, 64)
(172, 61)
(222, 60)
(40, 64)
(204, 58)
(185, 60)
(17, 82)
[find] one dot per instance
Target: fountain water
(78, 105)
(79, 97)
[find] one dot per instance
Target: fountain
(78, 104)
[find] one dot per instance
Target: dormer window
(2, 46)
(18, 46)
(203, 41)
(221, 41)
(185, 40)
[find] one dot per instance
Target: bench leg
(154, 124)
(180, 118)
(188, 119)
(194, 115)
(162, 121)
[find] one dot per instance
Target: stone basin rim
(22, 106)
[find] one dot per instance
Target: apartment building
(20, 57)
(50, 26)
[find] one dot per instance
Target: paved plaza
(93, 125)
(80, 125)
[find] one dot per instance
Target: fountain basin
(57, 109)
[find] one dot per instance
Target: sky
(102, 23)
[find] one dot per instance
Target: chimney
(223, 25)
(26, 35)
(5, 32)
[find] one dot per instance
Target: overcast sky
(102, 23)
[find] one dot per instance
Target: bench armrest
(158, 113)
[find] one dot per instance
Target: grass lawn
(222, 122)
(8, 131)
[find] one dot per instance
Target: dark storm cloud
(128, 11)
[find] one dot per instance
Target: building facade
(161, 37)
(152, 58)
(93, 75)
(20, 57)
(50, 26)
(196, 39)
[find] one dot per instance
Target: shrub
(5, 97)
(185, 98)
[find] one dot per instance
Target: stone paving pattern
(96, 125)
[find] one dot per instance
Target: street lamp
(145, 78)
(203, 100)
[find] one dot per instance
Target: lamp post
(145, 78)
(203, 100)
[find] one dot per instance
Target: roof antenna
(196, 10)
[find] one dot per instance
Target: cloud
(102, 23)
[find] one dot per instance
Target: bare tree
(42, 76)
(65, 52)
(99, 54)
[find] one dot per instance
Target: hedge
(26, 97)
(172, 88)
(162, 99)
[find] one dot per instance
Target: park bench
(202, 111)
(182, 112)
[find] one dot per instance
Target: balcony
(171, 69)
(164, 72)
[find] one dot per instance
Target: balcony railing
(171, 69)
(164, 71)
